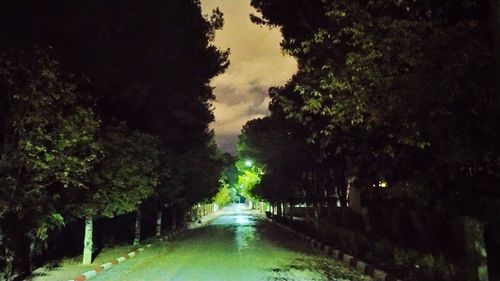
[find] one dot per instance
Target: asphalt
(237, 245)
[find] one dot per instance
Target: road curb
(173, 234)
(105, 266)
(360, 266)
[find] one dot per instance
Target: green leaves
(126, 175)
(48, 135)
(396, 87)
(46, 131)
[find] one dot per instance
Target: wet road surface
(235, 246)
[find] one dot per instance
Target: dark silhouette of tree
(401, 93)
(146, 64)
(49, 144)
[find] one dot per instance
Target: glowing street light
(248, 163)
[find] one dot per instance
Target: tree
(125, 176)
(48, 147)
(150, 68)
(223, 196)
(402, 92)
(279, 154)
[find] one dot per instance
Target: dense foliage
(394, 102)
(49, 145)
(125, 127)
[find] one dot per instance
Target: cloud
(256, 64)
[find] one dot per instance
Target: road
(236, 246)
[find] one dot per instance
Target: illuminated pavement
(236, 246)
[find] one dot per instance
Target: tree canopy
(127, 123)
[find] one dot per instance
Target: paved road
(235, 246)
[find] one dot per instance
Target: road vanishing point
(237, 245)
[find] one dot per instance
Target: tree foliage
(395, 100)
(49, 145)
(131, 125)
(407, 86)
(125, 175)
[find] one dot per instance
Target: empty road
(235, 246)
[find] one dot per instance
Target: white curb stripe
(89, 274)
(107, 265)
(379, 275)
(326, 249)
(347, 258)
(360, 266)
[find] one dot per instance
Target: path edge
(105, 266)
(352, 262)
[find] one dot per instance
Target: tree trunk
(420, 227)
(30, 256)
(495, 30)
(7, 254)
(9, 265)
(159, 216)
(365, 214)
(492, 245)
(192, 214)
(343, 193)
(354, 195)
(329, 210)
(395, 229)
(137, 232)
(87, 242)
(344, 215)
(317, 211)
(472, 230)
(174, 218)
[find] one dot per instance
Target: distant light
(383, 184)
(248, 163)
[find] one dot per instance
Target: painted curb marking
(103, 267)
(360, 266)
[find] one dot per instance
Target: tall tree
(125, 176)
(404, 91)
(48, 147)
(150, 66)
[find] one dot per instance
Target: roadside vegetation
(104, 132)
(385, 143)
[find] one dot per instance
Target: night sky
(256, 64)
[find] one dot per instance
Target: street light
(248, 163)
